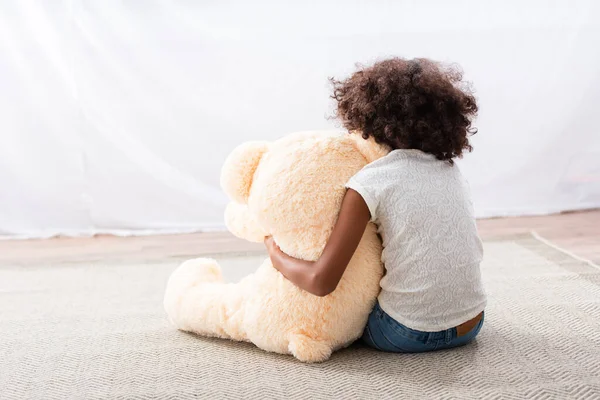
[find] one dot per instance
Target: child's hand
(275, 253)
(272, 247)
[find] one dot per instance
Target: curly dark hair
(409, 104)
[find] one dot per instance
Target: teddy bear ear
(369, 148)
(239, 168)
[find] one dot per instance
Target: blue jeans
(386, 334)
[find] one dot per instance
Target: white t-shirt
(431, 249)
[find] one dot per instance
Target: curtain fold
(115, 116)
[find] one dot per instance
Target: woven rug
(98, 331)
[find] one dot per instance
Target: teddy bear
(290, 189)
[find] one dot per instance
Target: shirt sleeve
(362, 185)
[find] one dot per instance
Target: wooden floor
(577, 232)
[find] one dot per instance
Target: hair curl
(409, 104)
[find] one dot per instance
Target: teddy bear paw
(309, 350)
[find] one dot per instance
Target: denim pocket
(406, 332)
(394, 346)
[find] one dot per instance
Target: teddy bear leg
(189, 274)
(197, 300)
(309, 350)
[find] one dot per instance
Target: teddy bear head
(292, 188)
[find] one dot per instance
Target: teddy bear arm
(242, 223)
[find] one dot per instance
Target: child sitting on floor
(431, 295)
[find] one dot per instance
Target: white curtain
(115, 116)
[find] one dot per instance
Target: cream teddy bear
(290, 189)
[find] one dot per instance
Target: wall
(115, 116)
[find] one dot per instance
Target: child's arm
(321, 277)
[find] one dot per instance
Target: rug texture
(98, 331)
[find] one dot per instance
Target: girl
(431, 295)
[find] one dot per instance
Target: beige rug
(99, 332)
